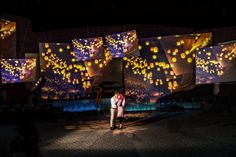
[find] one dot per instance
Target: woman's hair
(117, 92)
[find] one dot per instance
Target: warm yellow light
(100, 65)
(167, 66)
(208, 53)
(189, 60)
(143, 71)
(182, 55)
(46, 58)
(178, 43)
(88, 83)
(60, 50)
(73, 59)
(159, 38)
(147, 43)
(89, 63)
(176, 50)
(155, 49)
(152, 65)
(68, 47)
(125, 58)
(156, 83)
(46, 45)
(187, 52)
(174, 59)
(161, 82)
(49, 50)
(168, 51)
(151, 49)
(154, 56)
(70, 67)
(139, 47)
(96, 61)
(175, 84)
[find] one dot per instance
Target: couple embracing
(117, 110)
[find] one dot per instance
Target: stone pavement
(159, 134)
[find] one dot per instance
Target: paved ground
(154, 134)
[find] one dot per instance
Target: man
(114, 100)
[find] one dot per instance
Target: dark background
(52, 14)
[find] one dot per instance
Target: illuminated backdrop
(216, 64)
(166, 65)
(150, 76)
(8, 39)
(6, 28)
(123, 44)
(88, 49)
(68, 78)
(18, 70)
(180, 50)
(62, 72)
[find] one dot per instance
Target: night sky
(47, 15)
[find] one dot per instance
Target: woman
(120, 109)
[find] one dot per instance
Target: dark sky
(56, 14)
